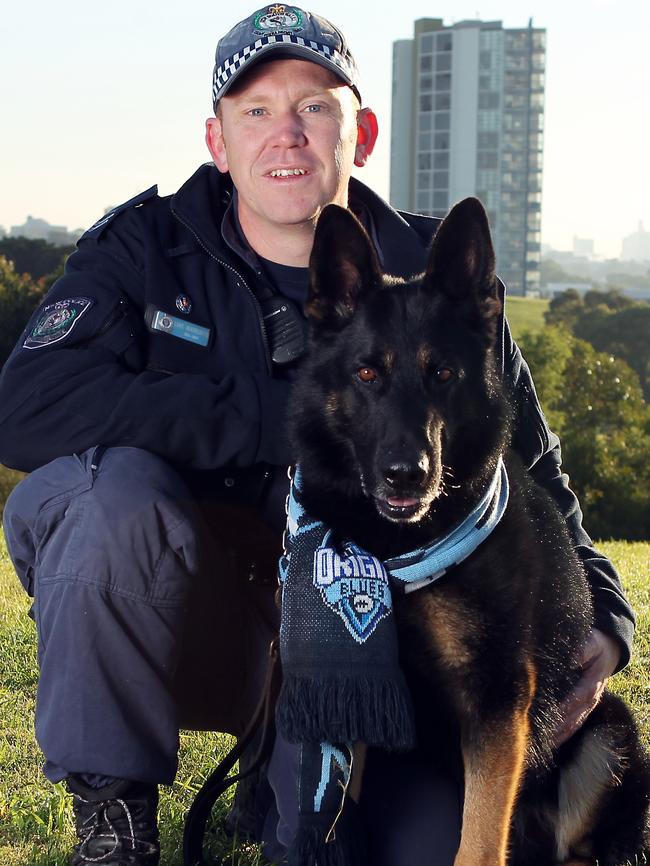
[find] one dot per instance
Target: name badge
(181, 328)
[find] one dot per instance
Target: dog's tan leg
(494, 756)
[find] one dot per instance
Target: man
(147, 399)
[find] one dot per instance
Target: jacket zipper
(260, 318)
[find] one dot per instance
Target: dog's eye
(367, 374)
(444, 374)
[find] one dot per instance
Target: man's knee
(119, 519)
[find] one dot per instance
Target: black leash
(218, 781)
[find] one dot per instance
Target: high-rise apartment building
(467, 119)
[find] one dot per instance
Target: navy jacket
(215, 411)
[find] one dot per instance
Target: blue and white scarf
(342, 682)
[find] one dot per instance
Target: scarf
(342, 683)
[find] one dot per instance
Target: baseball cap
(281, 31)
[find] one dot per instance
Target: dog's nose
(401, 474)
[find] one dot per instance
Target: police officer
(147, 398)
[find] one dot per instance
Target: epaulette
(97, 228)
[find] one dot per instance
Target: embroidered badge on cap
(355, 586)
(184, 304)
(278, 19)
(56, 322)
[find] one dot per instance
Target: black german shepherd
(399, 421)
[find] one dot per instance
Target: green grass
(525, 314)
(35, 817)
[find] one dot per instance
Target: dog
(399, 421)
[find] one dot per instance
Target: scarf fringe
(346, 848)
(372, 710)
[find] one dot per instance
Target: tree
(624, 332)
(34, 257)
(595, 402)
(611, 299)
(19, 297)
(564, 309)
(548, 352)
(611, 322)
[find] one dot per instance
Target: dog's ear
(461, 263)
(343, 266)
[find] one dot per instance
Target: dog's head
(399, 393)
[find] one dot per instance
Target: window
(443, 42)
(441, 141)
(426, 63)
(424, 160)
(442, 120)
(443, 81)
(514, 121)
(426, 103)
(488, 100)
(426, 83)
(440, 202)
(443, 62)
(441, 159)
(488, 159)
(516, 100)
(440, 179)
(488, 140)
(539, 40)
(443, 101)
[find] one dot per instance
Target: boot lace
(94, 829)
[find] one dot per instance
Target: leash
(219, 781)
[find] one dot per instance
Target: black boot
(116, 824)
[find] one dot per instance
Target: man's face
(289, 136)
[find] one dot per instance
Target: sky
(99, 101)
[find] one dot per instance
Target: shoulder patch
(56, 321)
(96, 229)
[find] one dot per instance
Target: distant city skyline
(99, 103)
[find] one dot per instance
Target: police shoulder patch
(56, 321)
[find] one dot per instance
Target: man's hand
(599, 659)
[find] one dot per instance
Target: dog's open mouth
(399, 507)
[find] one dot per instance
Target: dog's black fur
(399, 418)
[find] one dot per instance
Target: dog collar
(417, 569)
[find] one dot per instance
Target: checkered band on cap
(328, 55)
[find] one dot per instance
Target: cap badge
(184, 304)
(278, 19)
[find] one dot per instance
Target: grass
(35, 817)
(525, 314)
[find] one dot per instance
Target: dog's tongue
(402, 503)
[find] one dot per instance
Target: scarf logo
(355, 586)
